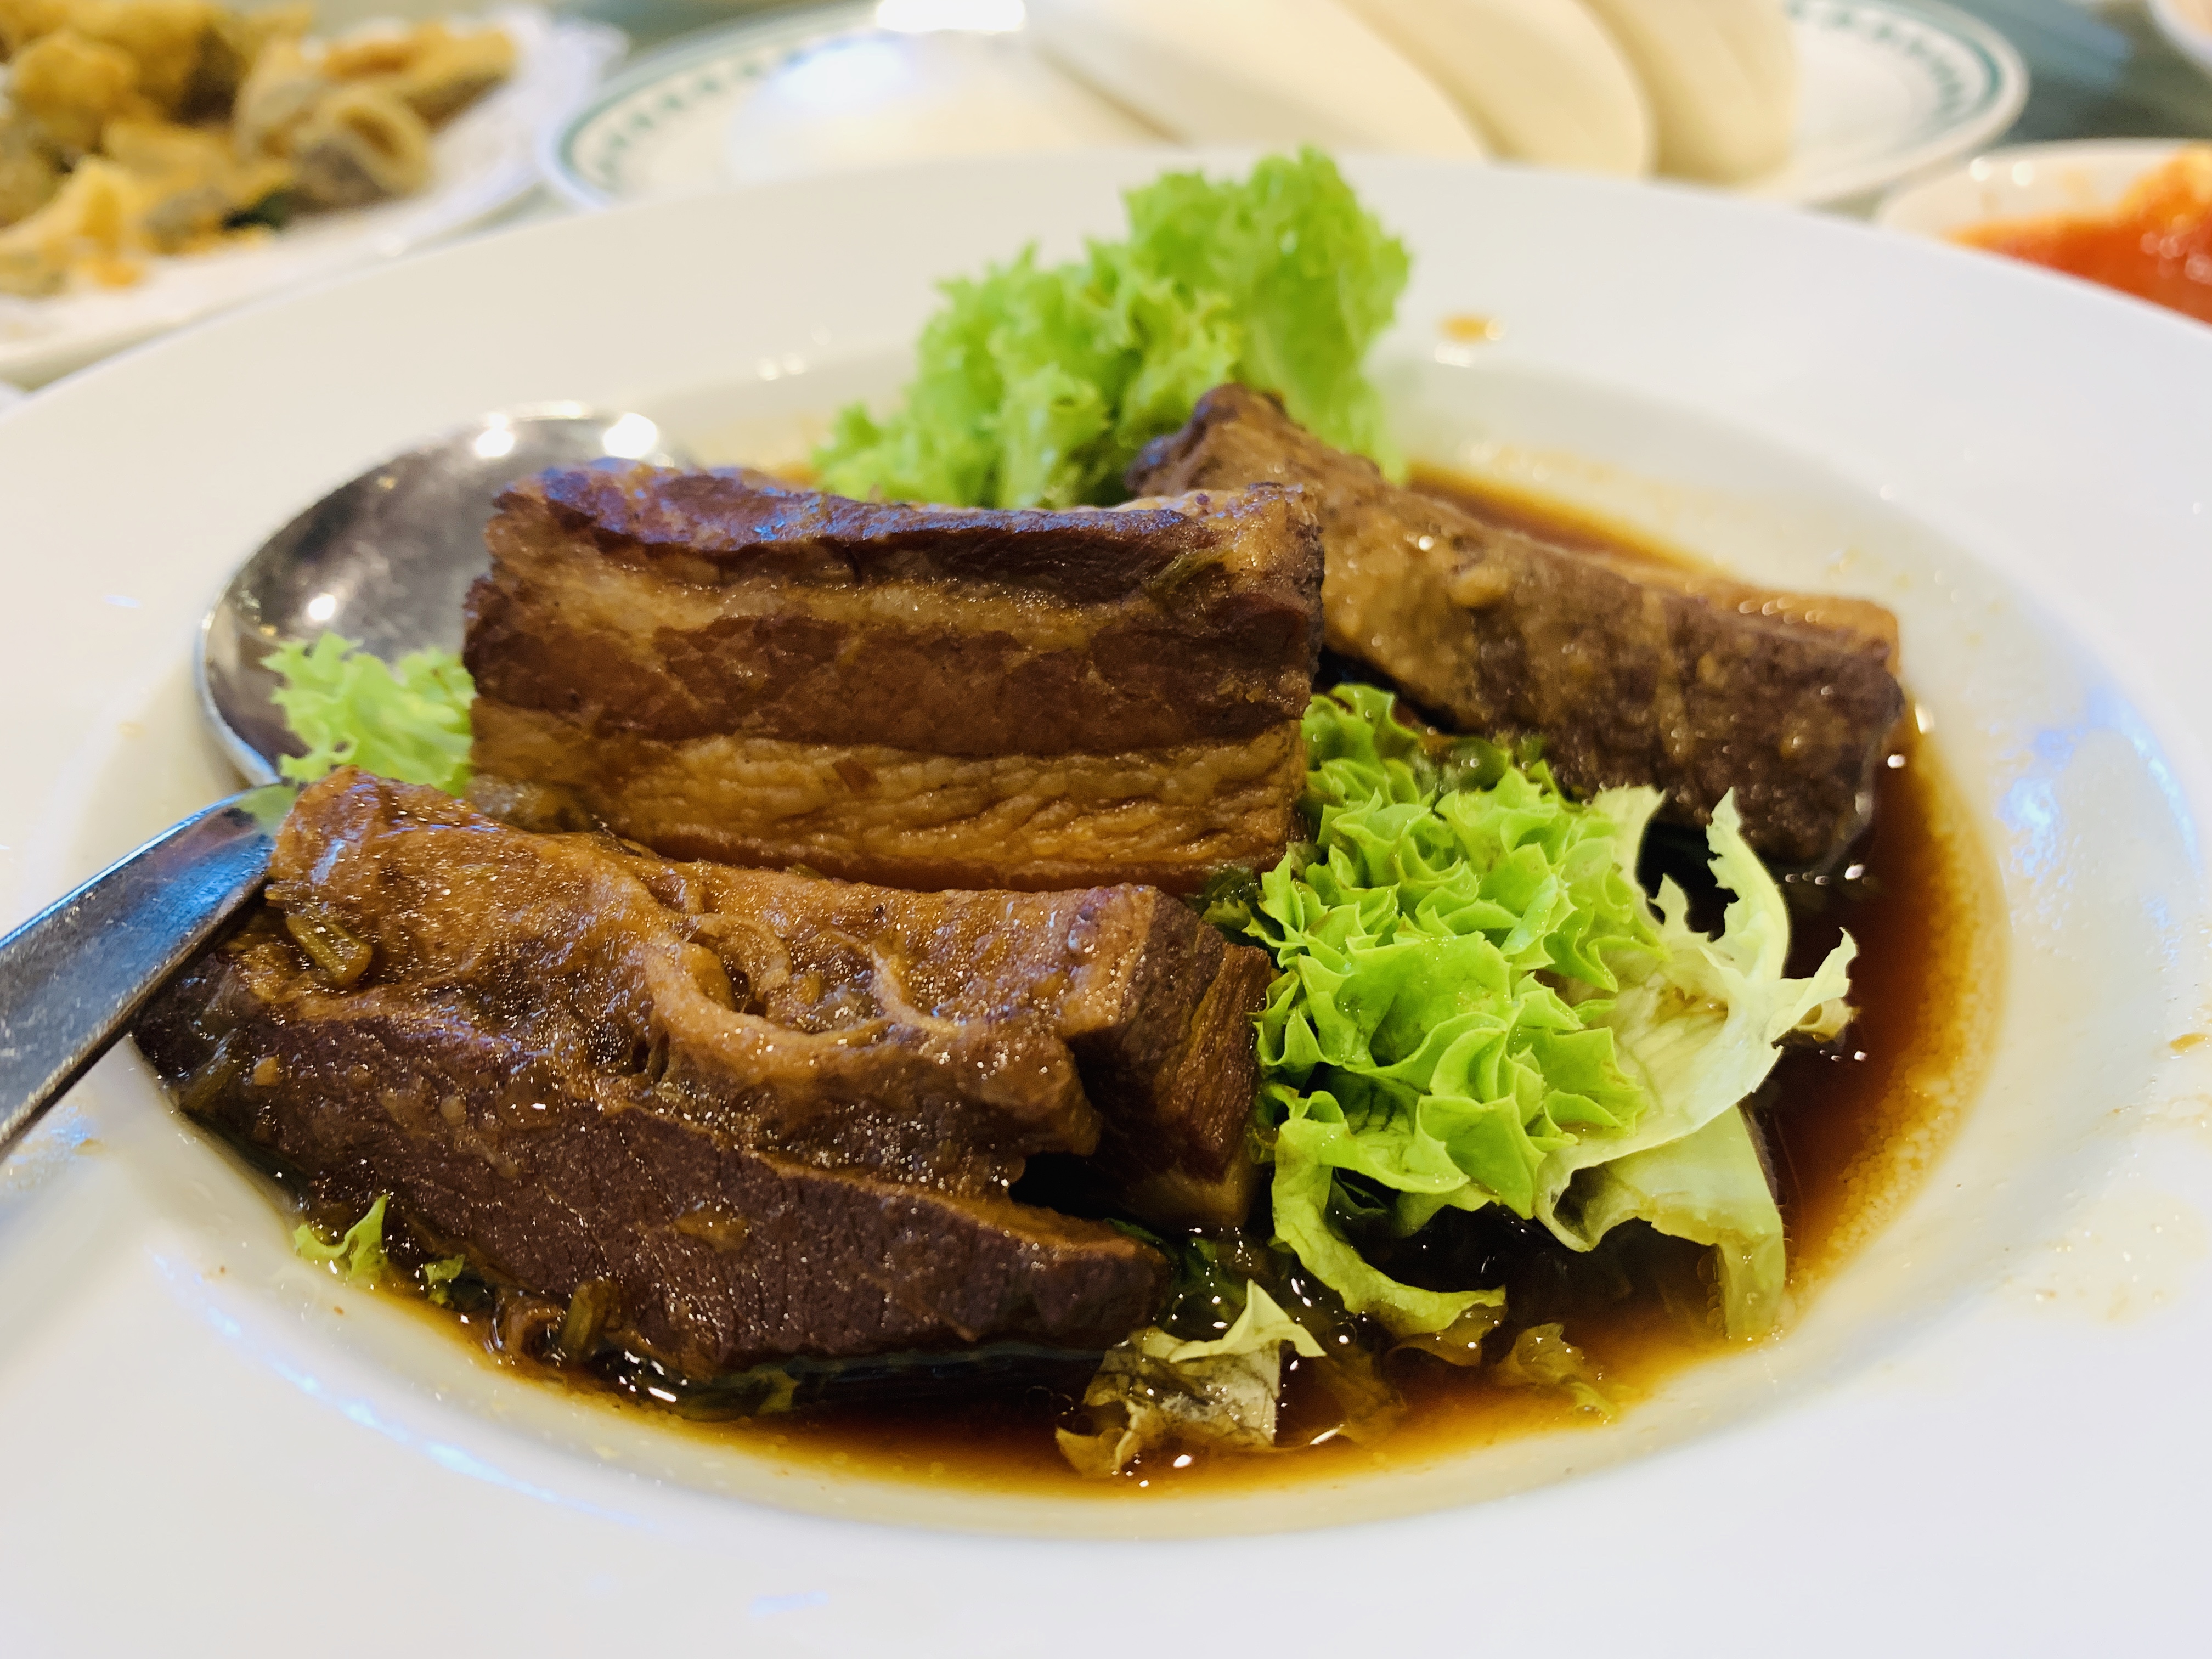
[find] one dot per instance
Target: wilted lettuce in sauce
(1152, 1389)
(1543, 1358)
(358, 1255)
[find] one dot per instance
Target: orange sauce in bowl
(2156, 243)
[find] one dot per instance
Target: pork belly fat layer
(1630, 674)
(1165, 818)
(775, 1114)
(674, 606)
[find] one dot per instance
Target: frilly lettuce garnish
(408, 720)
(1478, 1003)
(1037, 385)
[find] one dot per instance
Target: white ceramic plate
(1891, 88)
(2023, 181)
(487, 159)
(1983, 1436)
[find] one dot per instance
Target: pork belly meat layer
(757, 1115)
(723, 666)
(1631, 673)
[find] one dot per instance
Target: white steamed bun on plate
(1720, 77)
(1541, 79)
(1254, 71)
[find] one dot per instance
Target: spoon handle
(74, 975)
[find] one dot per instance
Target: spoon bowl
(385, 560)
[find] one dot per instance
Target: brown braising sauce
(1850, 1129)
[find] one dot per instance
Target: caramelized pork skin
(758, 1114)
(1629, 672)
(720, 665)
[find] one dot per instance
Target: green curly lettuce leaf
(358, 1255)
(1037, 386)
(409, 719)
(1477, 1003)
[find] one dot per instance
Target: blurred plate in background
(487, 160)
(1889, 88)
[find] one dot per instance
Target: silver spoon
(385, 560)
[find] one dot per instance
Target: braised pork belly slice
(719, 665)
(1631, 672)
(744, 1114)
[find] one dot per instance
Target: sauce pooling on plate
(2155, 244)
